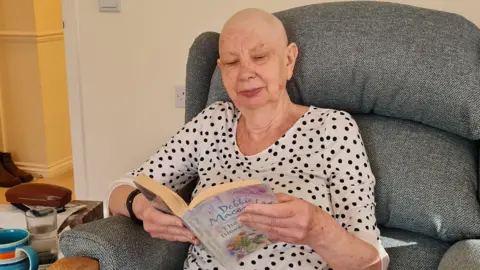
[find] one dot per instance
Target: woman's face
(255, 66)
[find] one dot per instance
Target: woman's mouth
(251, 92)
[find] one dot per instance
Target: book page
(161, 206)
(161, 197)
(215, 223)
(155, 201)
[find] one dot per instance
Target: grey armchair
(411, 78)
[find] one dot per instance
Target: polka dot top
(321, 159)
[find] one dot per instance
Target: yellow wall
(55, 100)
(1, 85)
(34, 99)
(17, 15)
(48, 15)
(21, 102)
(51, 54)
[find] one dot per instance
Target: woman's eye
(259, 57)
(231, 62)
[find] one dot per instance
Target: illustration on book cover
(217, 221)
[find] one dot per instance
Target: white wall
(129, 63)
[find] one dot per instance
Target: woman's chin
(250, 103)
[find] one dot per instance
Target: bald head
(255, 59)
(259, 22)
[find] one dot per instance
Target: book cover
(215, 223)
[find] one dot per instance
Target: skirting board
(42, 170)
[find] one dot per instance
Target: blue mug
(15, 254)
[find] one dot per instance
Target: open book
(212, 215)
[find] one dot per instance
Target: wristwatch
(129, 202)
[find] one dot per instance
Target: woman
(302, 152)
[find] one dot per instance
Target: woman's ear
(292, 53)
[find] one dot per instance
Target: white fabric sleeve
(126, 180)
(351, 180)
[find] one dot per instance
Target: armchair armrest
(463, 255)
(118, 243)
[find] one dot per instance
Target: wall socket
(180, 96)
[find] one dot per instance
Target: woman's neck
(270, 117)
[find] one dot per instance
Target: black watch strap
(130, 199)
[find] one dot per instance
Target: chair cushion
(426, 178)
(409, 250)
(389, 59)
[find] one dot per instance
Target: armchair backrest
(411, 78)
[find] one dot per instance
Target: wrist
(138, 205)
(326, 231)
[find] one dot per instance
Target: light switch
(109, 5)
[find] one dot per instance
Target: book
(212, 215)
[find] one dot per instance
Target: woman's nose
(246, 71)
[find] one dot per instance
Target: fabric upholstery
(202, 60)
(463, 255)
(426, 178)
(118, 243)
(408, 250)
(389, 59)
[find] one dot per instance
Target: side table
(11, 217)
(93, 211)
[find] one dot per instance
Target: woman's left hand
(291, 220)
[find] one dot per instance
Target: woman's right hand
(161, 225)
